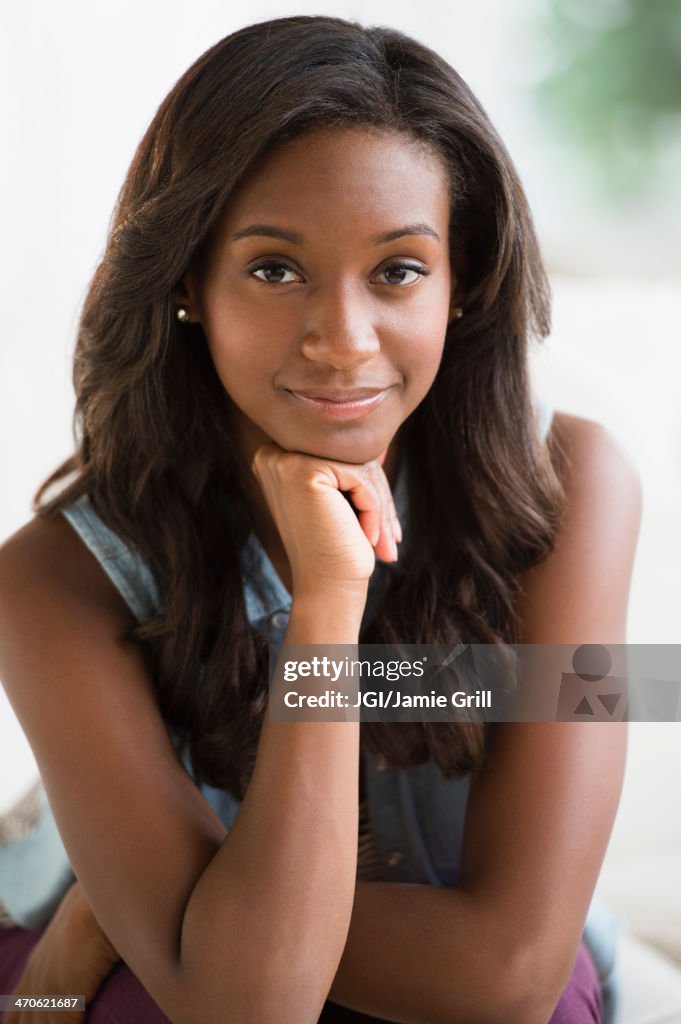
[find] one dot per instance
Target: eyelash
(279, 264)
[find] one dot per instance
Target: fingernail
(398, 528)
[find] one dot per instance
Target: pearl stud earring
(182, 314)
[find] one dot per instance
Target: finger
(388, 547)
(395, 520)
(365, 490)
(397, 527)
(370, 518)
(386, 490)
(371, 524)
(359, 482)
(382, 535)
(263, 455)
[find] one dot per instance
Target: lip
(337, 394)
(340, 405)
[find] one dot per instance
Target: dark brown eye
(272, 267)
(401, 269)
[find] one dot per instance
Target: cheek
(247, 343)
(423, 322)
(423, 350)
(239, 355)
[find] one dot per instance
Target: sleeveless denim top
(416, 815)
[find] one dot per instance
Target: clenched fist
(328, 543)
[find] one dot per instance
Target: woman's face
(302, 293)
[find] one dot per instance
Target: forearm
(267, 922)
(418, 954)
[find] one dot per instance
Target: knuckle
(287, 465)
(259, 459)
(266, 455)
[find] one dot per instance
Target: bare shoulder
(47, 555)
(579, 592)
(86, 700)
(592, 448)
(603, 490)
(541, 810)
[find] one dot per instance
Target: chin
(339, 449)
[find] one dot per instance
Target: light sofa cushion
(646, 888)
(651, 985)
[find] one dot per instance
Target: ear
(456, 296)
(455, 312)
(186, 294)
(457, 292)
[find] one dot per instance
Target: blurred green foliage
(614, 88)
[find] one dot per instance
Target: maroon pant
(122, 999)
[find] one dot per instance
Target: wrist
(326, 617)
(345, 594)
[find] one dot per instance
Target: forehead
(344, 178)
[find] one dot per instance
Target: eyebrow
(270, 231)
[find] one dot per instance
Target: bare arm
(270, 913)
(251, 924)
(206, 921)
(502, 945)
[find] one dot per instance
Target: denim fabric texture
(417, 815)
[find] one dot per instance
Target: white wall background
(81, 81)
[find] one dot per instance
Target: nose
(339, 329)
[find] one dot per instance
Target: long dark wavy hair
(153, 446)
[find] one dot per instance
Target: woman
(315, 305)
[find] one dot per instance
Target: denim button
(280, 620)
(394, 858)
